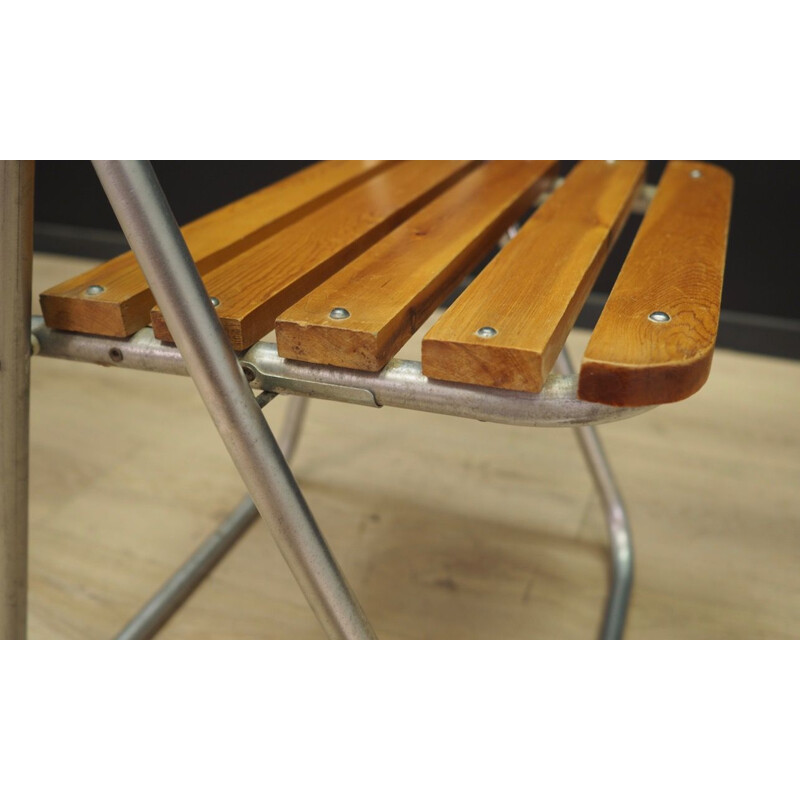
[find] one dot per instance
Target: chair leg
(293, 426)
(179, 587)
(619, 531)
(147, 221)
(16, 251)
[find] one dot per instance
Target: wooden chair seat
(346, 260)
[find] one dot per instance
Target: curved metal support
(619, 530)
(400, 384)
(179, 587)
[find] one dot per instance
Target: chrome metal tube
(400, 384)
(293, 426)
(151, 230)
(619, 530)
(177, 590)
(16, 251)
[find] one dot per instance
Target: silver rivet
(215, 301)
(659, 316)
(339, 313)
(95, 289)
(695, 173)
(486, 332)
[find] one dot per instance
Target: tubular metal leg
(293, 426)
(16, 251)
(144, 214)
(619, 531)
(174, 593)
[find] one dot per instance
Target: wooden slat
(531, 293)
(261, 283)
(391, 289)
(675, 266)
(125, 305)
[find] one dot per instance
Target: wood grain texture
(264, 281)
(392, 288)
(675, 265)
(532, 291)
(124, 306)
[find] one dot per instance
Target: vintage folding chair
(345, 260)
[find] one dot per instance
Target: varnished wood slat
(264, 281)
(675, 266)
(124, 306)
(531, 293)
(391, 289)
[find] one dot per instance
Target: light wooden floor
(444, 527)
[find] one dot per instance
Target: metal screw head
(95, 289)
(695, 173)
(486, 332)
(215, 301)
(249, 373)
(115, 354)
(339, 313)
(659, 316)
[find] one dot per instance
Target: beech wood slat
(124, 306)
(675, 265)
(532, 292)
(391, 289)
(256, 286)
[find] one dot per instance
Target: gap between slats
(361, 316)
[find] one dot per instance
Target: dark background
(761, 312)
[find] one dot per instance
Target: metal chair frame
(225, 382)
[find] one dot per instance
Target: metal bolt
(695, 173)
(115, 354)
(249, 373)
(215, 301)
(95, 289)
(339, 313)
(486, 332)
(659, 316)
